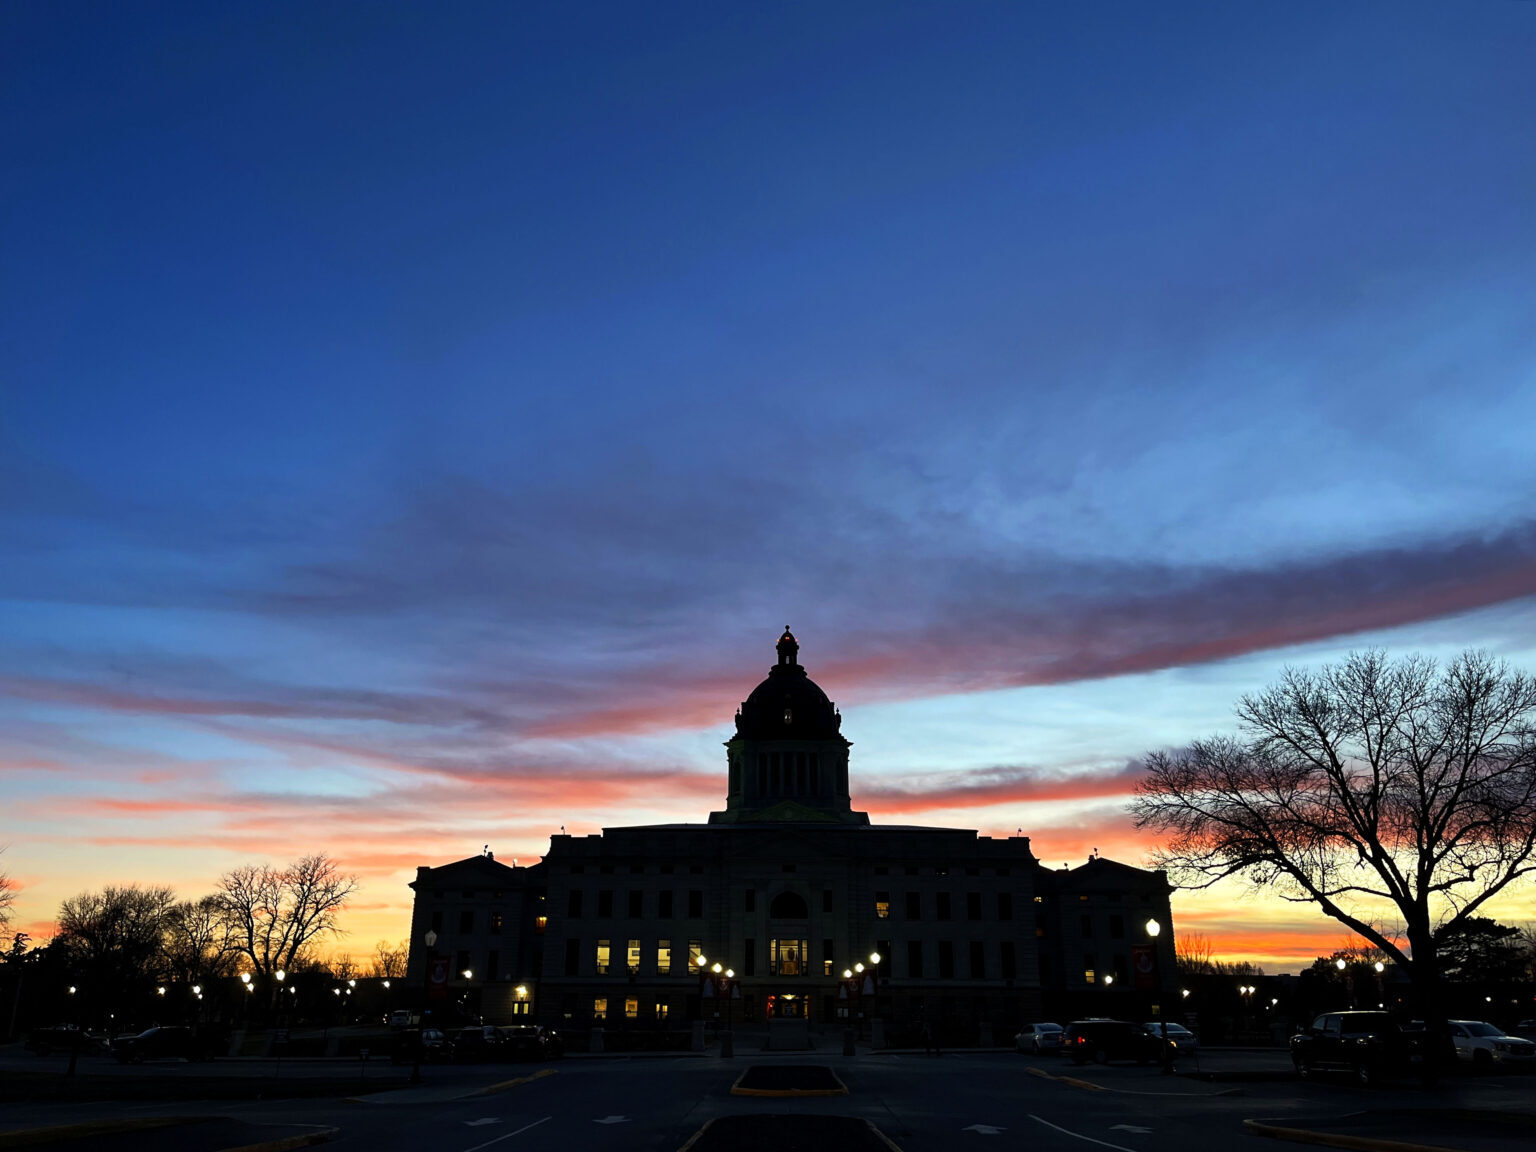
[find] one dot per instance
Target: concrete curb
(504, 1085)
(1338, 1139)
(37, 1137)
(283, 1144)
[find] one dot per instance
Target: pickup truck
(1368, 1045)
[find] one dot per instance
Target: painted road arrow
(483, 1120)
(983, 1129)
(612, 1120)
(1127, 1128)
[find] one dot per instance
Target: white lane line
(1067, 1132)
(508, 1136)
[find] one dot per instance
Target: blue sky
(402, 407)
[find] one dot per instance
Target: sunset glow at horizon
(418, 425)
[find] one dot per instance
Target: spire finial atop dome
(789, 647)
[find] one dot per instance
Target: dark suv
(160, 1044)
(531, 1042)
(479, 1044)
(1104, 1040)
(1368, 1045)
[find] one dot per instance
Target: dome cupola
(788, 759)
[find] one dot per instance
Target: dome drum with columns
(788, 761)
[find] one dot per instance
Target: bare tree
(7, 898)
(112, 938)
(273, 914)
(389, 960)
(1193, 955)
(343, 967)
(1368, 784)
(197, 945)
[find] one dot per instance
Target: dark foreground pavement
(170, 1134)
(918, 1103)
(1402, 1129)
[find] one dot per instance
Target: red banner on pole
(437, 978)
(1144, 965)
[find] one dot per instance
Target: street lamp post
(1154, 929)
(74, 1049)
(874, 983)
(430, 940)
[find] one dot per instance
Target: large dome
(789, 705)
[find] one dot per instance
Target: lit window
(602, 957)
(633, 956)
(661, 1011)
(663, 957)
(786, 957)
(882, 905)
(1087, 975)
(539, 924)
(631, 1008)
(600, 1008)
(695, 949)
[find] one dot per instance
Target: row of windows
(879, 870)
(666, 904)
(632, 957)
(660, 1009)
(786, 905)
(943, 906)
(494, 920)
(786, 956)
(1093, 974)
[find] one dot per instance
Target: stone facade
(791, 893)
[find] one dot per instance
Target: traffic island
(789, 1134)
(788, 1080)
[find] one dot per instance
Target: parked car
(1368, 1045)
(1484, 1045)
(531, 1042)
(1180, 1035)
(1104, 1040)
(478, 1044)
(429, 1045)
(399, 1018)
(1526, 1030)
(63, 1038)
(1039, 1039)
(161, 1044)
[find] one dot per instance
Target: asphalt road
(922, 1104)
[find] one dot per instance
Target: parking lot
(918, 1103)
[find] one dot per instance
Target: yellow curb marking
(1338, 1140)
(503, 1085)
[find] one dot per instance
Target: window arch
(789, 906)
